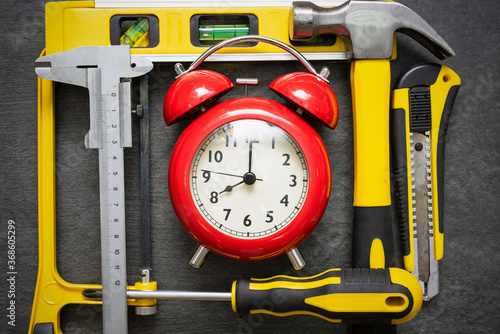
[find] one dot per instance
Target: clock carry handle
(254, 38)
(320, 100)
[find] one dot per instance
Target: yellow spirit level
(176, 30)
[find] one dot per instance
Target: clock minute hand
(228, 174)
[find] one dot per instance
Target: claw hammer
(369, 27)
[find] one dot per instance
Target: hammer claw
(433, 42)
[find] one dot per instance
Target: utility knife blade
(423, 99)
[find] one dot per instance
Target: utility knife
(423, 99)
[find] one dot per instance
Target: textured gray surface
(469, 300)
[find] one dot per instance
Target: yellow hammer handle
(373, 245)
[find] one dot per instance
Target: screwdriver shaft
(179, 295)
(167, 295)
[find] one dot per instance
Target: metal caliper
(106, 72)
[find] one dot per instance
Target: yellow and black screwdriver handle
(437, 86)
(385, 296)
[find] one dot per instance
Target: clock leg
(199, 256)
(296, 258)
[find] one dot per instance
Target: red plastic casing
(304, 222)
(191, 90)
(311, 93)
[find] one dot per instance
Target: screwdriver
(385, 296)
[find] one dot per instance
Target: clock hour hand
(249, 179)
(230, 188)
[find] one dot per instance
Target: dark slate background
(469, 301)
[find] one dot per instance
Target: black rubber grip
(420, 75)
(443, 129)
(44, 328)
(420, 106)
(371, 223)
(400, 168)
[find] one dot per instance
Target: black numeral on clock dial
(214, 197)
(217, 156)
(227, 211)
(287, 159)
(206, 176)
(247, 222)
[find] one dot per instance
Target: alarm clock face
(249, 178)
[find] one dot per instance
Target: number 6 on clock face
(249, 179)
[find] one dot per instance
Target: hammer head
(369, 25)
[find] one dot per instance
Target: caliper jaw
(92, 67)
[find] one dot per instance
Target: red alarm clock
(249, 179)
